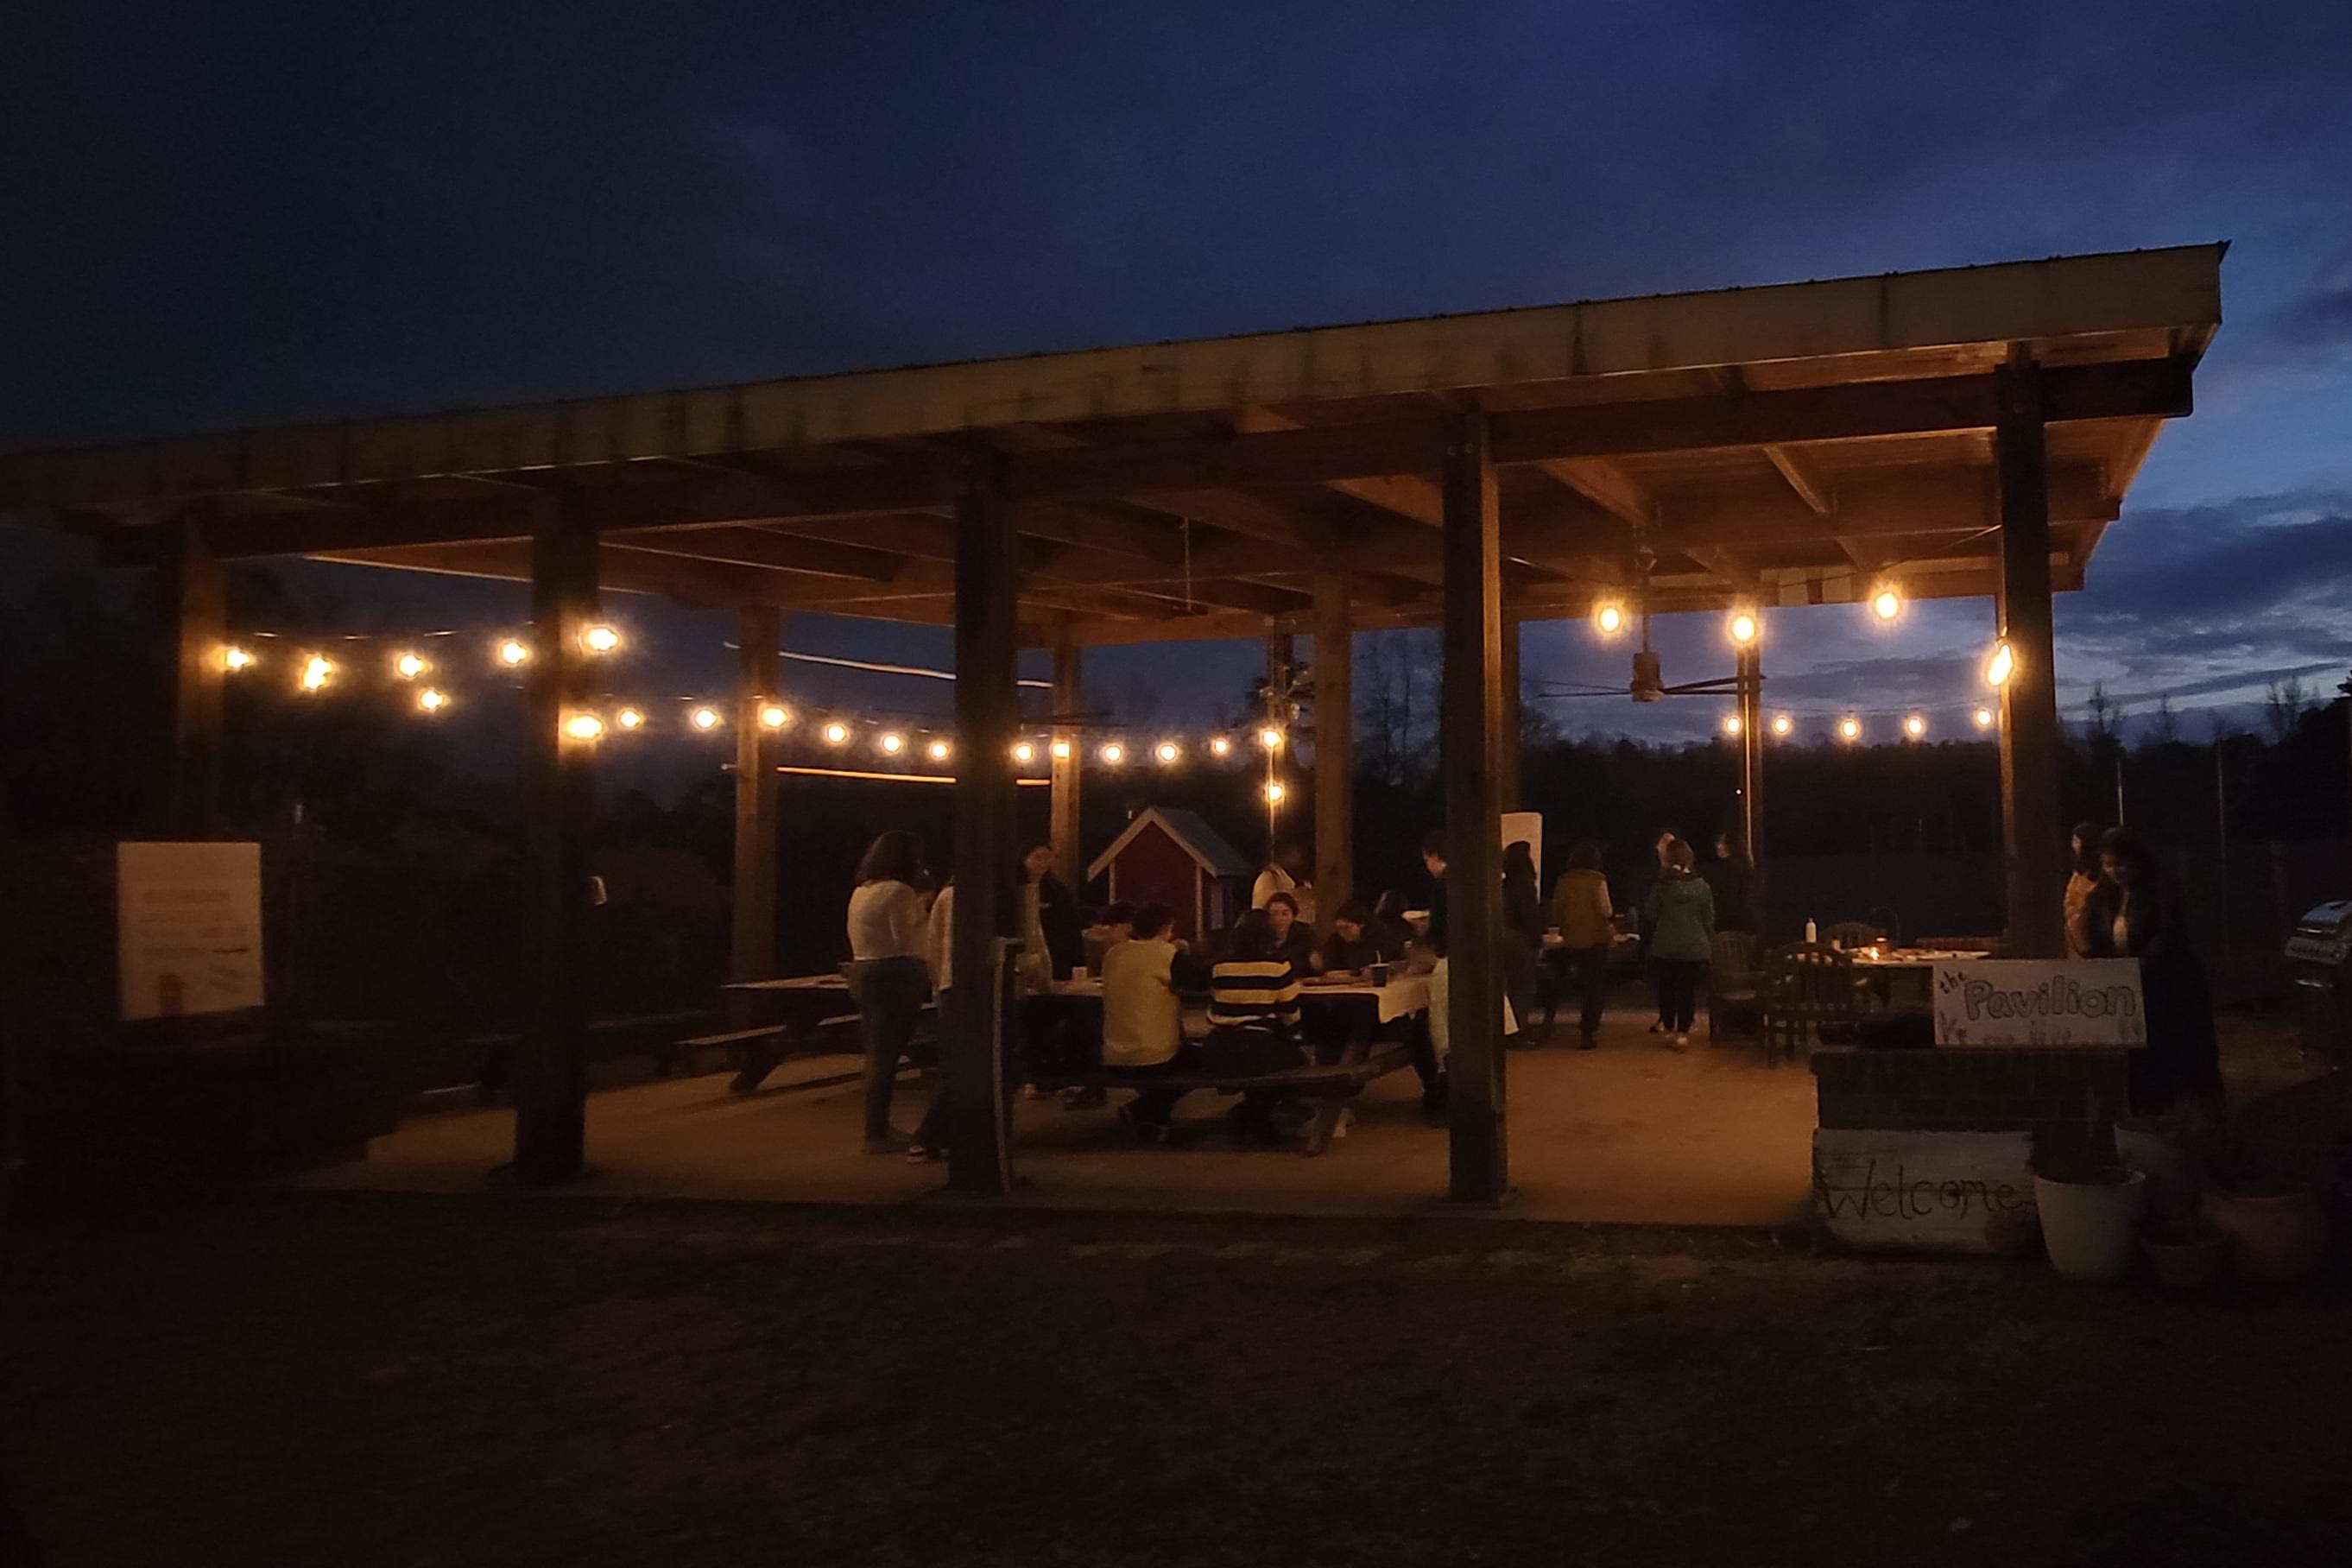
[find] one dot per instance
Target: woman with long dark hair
(888, 973)
(2079, 883)
(2137, 912)
(1050, 911)
(1523, 935)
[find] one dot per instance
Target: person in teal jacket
(1680, 913)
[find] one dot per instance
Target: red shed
(1171, 857)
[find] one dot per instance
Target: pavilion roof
(1785, 444)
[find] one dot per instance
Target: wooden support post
(1069, 687)
(1335, 747)
(2033, 837)
(551, 1080)
(1750, 669)
(987, 897)
(1470, 721)
(192, 621)
(1506, 737)
(759, 680)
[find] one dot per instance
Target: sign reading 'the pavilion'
(2084, 1001)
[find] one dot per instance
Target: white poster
(188, 925)
(2093, 1002)
(1526, 825)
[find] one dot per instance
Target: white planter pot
(2092, 1228)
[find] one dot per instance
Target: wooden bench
(1331, 1085)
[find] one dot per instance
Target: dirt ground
(358, 1379)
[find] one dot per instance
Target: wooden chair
(1809, 996)
(1733, 977)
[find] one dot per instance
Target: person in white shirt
(887, 974)
(938, 946)
(1143, 1012)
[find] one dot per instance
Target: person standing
(1522, 936)
(888, 979)
(1587, 932)
(1731, 877)
(2138, 911)
(1283, 872)
(1681, 911)
(1055, 935)
(1648, 926)
(2079, 884)
(1430, 1064)
(930, 1140)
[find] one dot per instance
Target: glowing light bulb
(2001, 665)
(1743, 628)
(514, 650)
(939, 750)
(892, 744)
(1167, 751)
(1610, 618)
(704, 718)
(432, 701)
(600, 639)
(836, 733)
(774, 715)
(1112, 754)
(1915, 726)
(1887, 604)
(1270, 738)
(583, 727)
(1274, 793)
(1731, 724)
(1061, 750)
(1984, 718)
(317, 671)
(629, 719)
(234, 659)
(1848, 729)
(1024, 752)
(409, 666)
(1219, 746)
(1782, 724)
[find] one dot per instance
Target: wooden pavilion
(1974, 428)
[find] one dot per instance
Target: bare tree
(2283, 705)
(2165, 727)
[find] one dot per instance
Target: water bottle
(1812, 936)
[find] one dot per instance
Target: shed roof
(1782, 445)
(1192, 835)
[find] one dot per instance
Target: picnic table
(789, 1012)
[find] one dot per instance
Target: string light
(704, 718)
(1782, 725)
(1168, 751)
(892, 744)
(2001, 665)
(409, 666)
(939, 750)
(1274, 793)
(1743, 627)
(317, 671)
(1061, 750)
(1112, 754)
(1609, 617)
(600, 639)
(1887, 604)
(1270, 738)
(1731, 724)
(774, 715)
(1984, 718)
(514, 651)
(1849, 728)
(432, 701)
(1915, 726)
(1024, 752)
(835, 733)
(1219, 746)
(234, 659)
(583, 727)
(629, 719)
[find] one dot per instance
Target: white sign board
(1929, 1192)
(2092, 1002)
(188, 928)
(1527, 826)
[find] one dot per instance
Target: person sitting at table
(1116, 925)
(1580, 907)
(887, 976)
(1143, 1012)
(1294, 939)
(1253, 1019)
(1358, 941)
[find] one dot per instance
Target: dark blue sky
(233, 213)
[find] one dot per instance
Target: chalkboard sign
(1925, 1191)
(2083, 1002)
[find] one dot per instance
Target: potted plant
(2272, 1213)
(2187, 1252)
(2091, 1202)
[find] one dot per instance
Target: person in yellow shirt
(1144, 1011)
(1579, 908)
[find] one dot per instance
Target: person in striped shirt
(1254, 1024)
